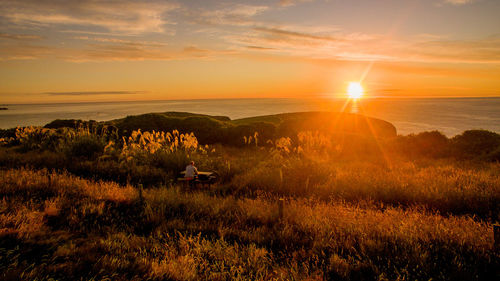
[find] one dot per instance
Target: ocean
(451, 116)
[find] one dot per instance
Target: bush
(476, 144)
(8, 133)
(36, 138)
(431, 144)
(206, 129)
(70, 123)
(171, 161)
(236, 135)
(89, 147)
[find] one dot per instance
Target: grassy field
(77, 228)
(83, 204)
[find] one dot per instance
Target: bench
(204, 178)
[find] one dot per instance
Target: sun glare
(355, 90)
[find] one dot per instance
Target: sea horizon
(259, 98)
(408, 114)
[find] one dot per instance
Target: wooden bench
(204, 178)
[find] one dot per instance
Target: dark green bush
(89, 147)
(207, 130)
(431, 144)
(8, 133)
(68, 123)
(173, 162)
(476, 144)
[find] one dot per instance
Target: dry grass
(85, 229)
(347, 216)
(445, 187)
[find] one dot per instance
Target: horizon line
(257, 98)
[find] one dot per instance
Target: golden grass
(355, 219)
(45, 183)
(193, 236)
(449, 188)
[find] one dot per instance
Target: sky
(91, 50)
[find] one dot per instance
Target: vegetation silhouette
(361, 203)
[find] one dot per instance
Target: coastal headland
(303, 196)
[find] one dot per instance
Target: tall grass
(150, 158)
(83, 229)
(70, 209)
(446, 187)
(313, 166)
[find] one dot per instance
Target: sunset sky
(90, 50)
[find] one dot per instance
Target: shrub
(170, 161)
(475, 144)
(36, 138)
(69, 123)
(89, 147)
(236, 135)
(431, 144)
(8, 133)
(206, 129)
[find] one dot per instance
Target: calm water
(448, 115)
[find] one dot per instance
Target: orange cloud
(458, 2)
(27, 37)
(120, 16)
(234, 15)
(98, 93)
(286, 3)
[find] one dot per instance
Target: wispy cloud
(127, 30)
(122, 41)
(116, 52)
(278, 34)
(286, 3)
(259, 48)
(313, 44)
(196, 52)
(19, 36)
(94, 93)
(459, 2)
(233, 14)
(95, 49)
(361, 47)
(473, 51)
(125, 16)
(23, 50)
(98, 49)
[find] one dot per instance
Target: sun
(355, 90)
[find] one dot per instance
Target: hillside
(91, 201)
(221, 129)
(326, 122)
(87, 204)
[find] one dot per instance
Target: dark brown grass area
(97, 230)
(448, 186)
(355, 208)
(427, 170)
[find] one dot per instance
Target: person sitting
(191, 173)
